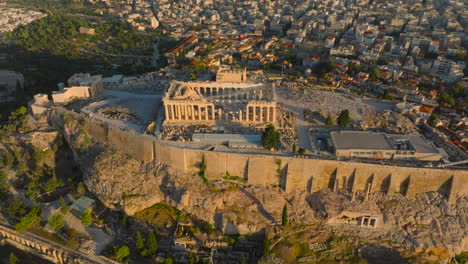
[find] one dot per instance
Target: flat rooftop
(381, 141)
(360, 140)
(419, 143)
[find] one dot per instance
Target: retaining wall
(288, 172)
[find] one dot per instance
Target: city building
(365, 144)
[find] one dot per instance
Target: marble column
(167, 112)
(206, 112)
(268, 114)
(261, 114)
(213, 112)
(254, 117)
(179, 112)
(247, 114)
(274, 115)
(192, 114)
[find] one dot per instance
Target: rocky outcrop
(423, 223)
(119, 180)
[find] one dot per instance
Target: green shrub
(17, 208)
(56, 222)
(271, 137)
(27, 221)
(462, 258)
(87, 217)
(152, 242)
(120, 253)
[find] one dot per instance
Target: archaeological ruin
(229, 99)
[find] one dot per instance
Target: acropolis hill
(102, 125)
(232, 100)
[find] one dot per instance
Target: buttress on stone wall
(287, 172)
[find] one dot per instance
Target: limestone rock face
(422, 223)
(425, 222)
(119, 180)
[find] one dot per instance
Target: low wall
(288, 172)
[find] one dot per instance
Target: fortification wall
(138, 146)
(289, 173)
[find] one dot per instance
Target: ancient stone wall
(287, 172)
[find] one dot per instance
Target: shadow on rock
(382, 255)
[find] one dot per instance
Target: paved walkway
(302, 126)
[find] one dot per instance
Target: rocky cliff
(118, 180)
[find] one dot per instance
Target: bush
(140, 244)
(343, 119)
(13, 259)
(27, 221)
(17, 208)
(329, 121)
(56, 222)
(271, 137)
(152, 243)
(209, 229)
(169, 260)
(87, 217)
(4, 186)
(120, 253)
(462, 258)
(266, 247)
(301, 152)
(64, 208)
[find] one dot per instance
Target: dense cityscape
(207, 131)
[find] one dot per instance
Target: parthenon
(210, 102)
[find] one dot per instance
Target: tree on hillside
(169, 260)
(343, 119)
(271, 137)
(64, 208)
(140, 244)
(17, 208)
(374, 75)
(121, 253)
(56, 222)
(87, 218)
(27, 221)
(152, 243)
(284, 216)
(4, 186)
(266, 247)
(13, 259)
(329, 121)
